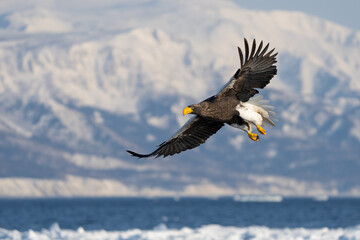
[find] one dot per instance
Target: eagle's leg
(261, 130)
(245, 126)
(253, 136)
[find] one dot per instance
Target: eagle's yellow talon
(261, 130)
(253, 136)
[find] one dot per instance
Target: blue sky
(343, 12)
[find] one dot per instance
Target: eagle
(233, 105)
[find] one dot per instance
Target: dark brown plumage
(256, 70)
(191, 135)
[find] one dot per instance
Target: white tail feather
(270, 115)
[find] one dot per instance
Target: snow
(150, 137)
(212, 232)
(158, 121)
(237, 141)
(106, 163)
(355, 131)
(85, 81)
(75, 186)
(157, 52)
(258, 198)
(38, 20)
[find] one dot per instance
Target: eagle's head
(193, 109)
(202, 109)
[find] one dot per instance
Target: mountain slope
(75, 94)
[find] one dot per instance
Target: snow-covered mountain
(80, 86)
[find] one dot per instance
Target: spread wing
(256, 70)
(195, 132)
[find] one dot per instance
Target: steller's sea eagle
(231, 105)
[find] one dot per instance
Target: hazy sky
(343, 12)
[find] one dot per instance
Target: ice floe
(206, 232)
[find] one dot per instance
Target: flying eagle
(231, 105)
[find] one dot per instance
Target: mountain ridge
(73, 100)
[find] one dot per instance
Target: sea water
(179, 218)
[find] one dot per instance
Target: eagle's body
(231, 105)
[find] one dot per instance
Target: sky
(342, 12)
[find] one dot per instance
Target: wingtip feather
(246, 49)
(265, 49)
(241, 57)
(253, 48)
(138, 155)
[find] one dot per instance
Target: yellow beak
(187, 110)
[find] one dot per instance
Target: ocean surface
(179, 218)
